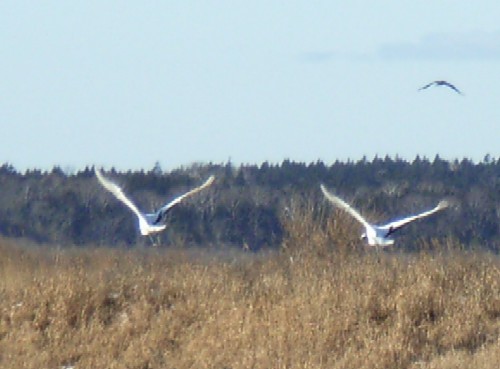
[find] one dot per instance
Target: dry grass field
(321, 302)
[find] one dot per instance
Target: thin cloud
(317, 56)
(447, 46)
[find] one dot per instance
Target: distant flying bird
(380, 235)
(148, 223)
(441, 83)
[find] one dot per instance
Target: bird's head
(443, 204)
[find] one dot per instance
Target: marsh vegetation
(319, 301)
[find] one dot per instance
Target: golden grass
(105, 308)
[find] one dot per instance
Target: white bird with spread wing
(148, 223)
(380, 235)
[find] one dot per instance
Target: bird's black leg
(152, 239)
(156, 239)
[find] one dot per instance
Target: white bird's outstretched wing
(117, 192)
(397, 224)
(161, 212)
(344, 206)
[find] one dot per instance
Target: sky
(126, 84)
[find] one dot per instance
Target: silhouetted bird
(441, 83)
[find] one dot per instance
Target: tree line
(248, 205)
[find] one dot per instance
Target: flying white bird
(380, 235)
(148, 223)
(441, 83)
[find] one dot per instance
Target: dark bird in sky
(441, 83)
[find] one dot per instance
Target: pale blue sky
(129, 83)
